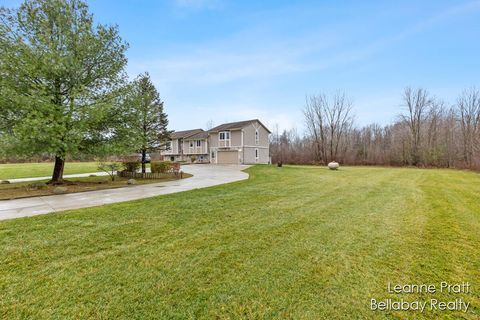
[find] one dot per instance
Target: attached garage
(227, 157)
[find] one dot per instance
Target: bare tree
(469, 116)
(210, 124)
(328, 120)
(448, 132)
(314, 119)
(429, 133)
(417, 103)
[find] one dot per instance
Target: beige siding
(249, 135)
(236, 137)
(185, 147)
(178, 146)
(249, 155)
(173, 150)
(213, 140)
(175, 146)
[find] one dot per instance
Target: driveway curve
(203, 176)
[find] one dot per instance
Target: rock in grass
(132, 181)
(4, 182)
(60, 190)
(333, 165)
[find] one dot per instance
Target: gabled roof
(185, 134)
(236, 125)
(199, 135)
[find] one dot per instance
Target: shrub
(193, 159)
(110, 168)
(131, 166)
(160, 166)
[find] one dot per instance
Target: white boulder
(333, 165)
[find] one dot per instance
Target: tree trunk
(57, 177)
(144, 160)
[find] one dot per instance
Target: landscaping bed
(41, 188)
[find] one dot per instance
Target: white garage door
(227, 157)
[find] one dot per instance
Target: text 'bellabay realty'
(457, 304)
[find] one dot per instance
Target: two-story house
(244, 142)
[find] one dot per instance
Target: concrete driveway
(203, 176)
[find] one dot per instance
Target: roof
(185, 133)
(236, 125)
(199, 135)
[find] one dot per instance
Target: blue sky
(216, 60)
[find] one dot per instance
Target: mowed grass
(289, 243)
(43, 169)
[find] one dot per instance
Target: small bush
(110, 168)
(131, 166)
(193, 159)
(160, 166)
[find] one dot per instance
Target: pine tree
(144, 123)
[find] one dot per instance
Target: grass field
(44, 169)
(289, 243)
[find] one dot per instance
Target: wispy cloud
(233, 70)
(248, 57)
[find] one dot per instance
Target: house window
(257, 136)
(213, 155)
(172, 159)
(199, 143)
(256, 154)
(224, 135)
(191, 144)
(168, 145)
(224, 138)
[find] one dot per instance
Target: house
(187, 145)
(243, 142)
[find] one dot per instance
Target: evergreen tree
(143, 127)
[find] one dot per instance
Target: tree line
(427, 133)
(64, 90)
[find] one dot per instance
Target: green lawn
(289, 243)
(44, 169)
